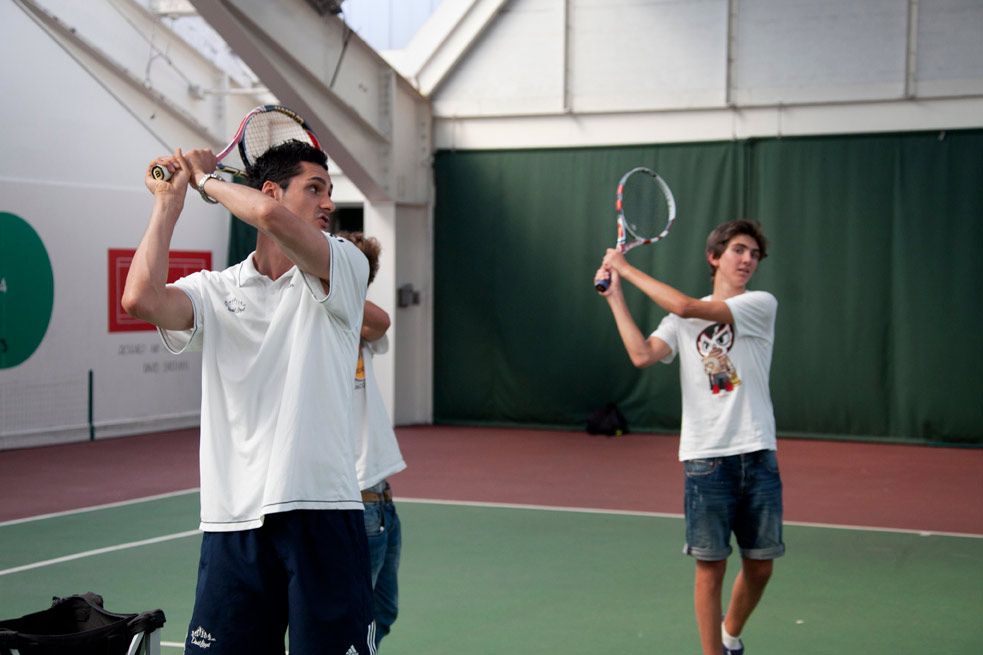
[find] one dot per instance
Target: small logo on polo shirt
(201, 639)
(235, 305)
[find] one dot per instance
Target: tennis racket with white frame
(646, 211)
(262, 128)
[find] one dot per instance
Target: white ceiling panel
(950, 48)
(792, 51)
(631, 55)
(516, 66)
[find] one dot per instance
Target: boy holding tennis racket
(727, 439)
(284, 539)
(377, 454)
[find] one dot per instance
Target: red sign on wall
(180, 263)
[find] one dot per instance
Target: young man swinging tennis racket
(727, 439)
(284, 541)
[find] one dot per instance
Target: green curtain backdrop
(242, 240)
(873, 260)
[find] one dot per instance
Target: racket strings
(268, 129)
(644, 205)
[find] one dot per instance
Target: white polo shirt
(278, 358)
(723, 373)
(377, 453)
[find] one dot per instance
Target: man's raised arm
(297, 236)
(146, 295)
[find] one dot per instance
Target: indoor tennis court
(509, 547)
(493, 148)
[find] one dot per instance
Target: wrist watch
(201, 187)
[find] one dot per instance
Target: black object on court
(77, 625)
(607, 420)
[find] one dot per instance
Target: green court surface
(485, 579)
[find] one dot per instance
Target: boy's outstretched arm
(665, 296)
(643, 352)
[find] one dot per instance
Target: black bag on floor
(607, 420)
(76, 625)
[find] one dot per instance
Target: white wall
(108, 85)
(553, 73)
(413, 378)
(406, 382)
(75, 147)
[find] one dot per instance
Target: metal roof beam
(317, 66)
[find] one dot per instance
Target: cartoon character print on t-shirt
(713, 344)
(360, 370)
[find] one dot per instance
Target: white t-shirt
(278, 357)
(376, 450)
(723, 373)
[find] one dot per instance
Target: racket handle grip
(159, 172)
(602, 285)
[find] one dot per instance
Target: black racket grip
(602, 285)
(159, 172)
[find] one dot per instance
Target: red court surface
(858, 484)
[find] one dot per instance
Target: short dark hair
(281, 163)
(369, 246)
(722, 234)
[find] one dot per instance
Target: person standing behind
(377, 453)
(727, 439)
(284, 540)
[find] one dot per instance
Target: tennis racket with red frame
(262, 128)
(646, 211)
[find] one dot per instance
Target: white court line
(592, 510)
(100, 551)
(867, 528)
(93, 508)
(549, 508)
(430, 501)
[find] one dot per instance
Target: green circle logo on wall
(27, 290)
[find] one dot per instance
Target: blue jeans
(385, 540)
(740, 494)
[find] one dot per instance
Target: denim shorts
(740, 494)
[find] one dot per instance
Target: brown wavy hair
(369, 246)
(722, 234)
